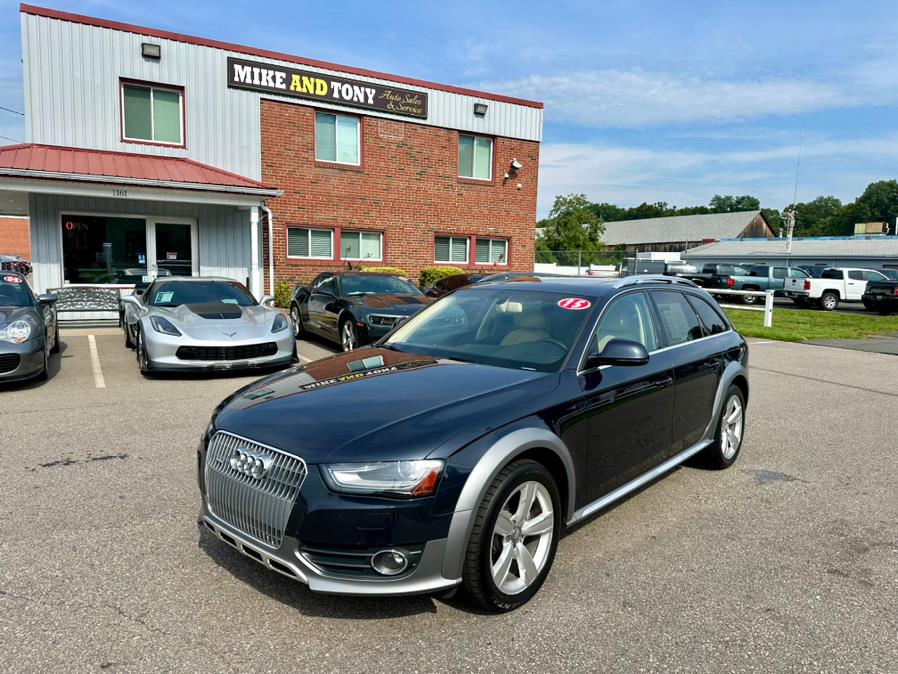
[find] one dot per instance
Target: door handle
(712, 364)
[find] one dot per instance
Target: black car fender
(523, 436)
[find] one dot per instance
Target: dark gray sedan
(28, 332)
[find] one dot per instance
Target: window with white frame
(451, 249)
(152, 114)
(337, 138)
(475, 157)
(492, 251)
(308, 242)
(361, 245)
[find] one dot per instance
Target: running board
(636, 483)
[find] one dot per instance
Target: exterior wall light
(480, 109)
(151, 51)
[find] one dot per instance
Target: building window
(101, 249)
(361, 245)
(153, 114)
(305, 242)
(451, 249)
(337, 138)
(492, 251)
(475, 157)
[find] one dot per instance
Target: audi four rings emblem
(249, 463)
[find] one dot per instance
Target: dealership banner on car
(275, 79)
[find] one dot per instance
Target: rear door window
(831, 273)
(856, 275)
(780, 272)
(678, 320)
(712, 322)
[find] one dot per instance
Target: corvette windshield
(502, 326)
(376, 285)
(176, 293)
(13, 292)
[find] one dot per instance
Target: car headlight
(396, 478)
(164, 326)
(16, 332)
(280, 323)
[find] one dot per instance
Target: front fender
(498, 450)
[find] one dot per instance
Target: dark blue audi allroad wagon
(455, 451)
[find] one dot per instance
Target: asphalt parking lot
(786, 562)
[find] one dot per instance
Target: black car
(457, 451)
(447, 285)
(881, 296)
(28, 332)
(353, 308)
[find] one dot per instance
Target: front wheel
(143, 359)
(349, 338)
(514, 538)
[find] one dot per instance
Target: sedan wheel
(348, 338)
(730, 432)
(514, 538)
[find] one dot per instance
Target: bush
(430, 275)
(283, 293)
(395, 271)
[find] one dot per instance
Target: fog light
(389, 562)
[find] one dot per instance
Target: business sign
(274, 79)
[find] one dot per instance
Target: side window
(712, 321)
(326, 285)
(874, 276)
(798, 273)
(856, 275)
(628, 317)
(779, 272)
(677, 317)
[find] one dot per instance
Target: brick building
(186, 155)
(15, 237)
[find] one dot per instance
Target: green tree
(774, 218)
(878, 203)
(572, 226)
(726, 203)
(817, 217)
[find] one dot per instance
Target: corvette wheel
(143, 360)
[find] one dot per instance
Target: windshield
(505, 327)
(176, 293)
(14, 292)
(376, 285)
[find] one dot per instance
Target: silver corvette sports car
(197, 323)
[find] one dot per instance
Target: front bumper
(289, 560)
(162, 352)
(21, 361)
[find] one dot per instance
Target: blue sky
(645, 101)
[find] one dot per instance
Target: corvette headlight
(16, 332)
(280, 323)
(396, 478)
(164, 326)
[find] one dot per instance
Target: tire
(129, 343)
(727, 445)
(749, 299)
(349, 336)
(44, 374)
(143, 359)
(829, 301)
(298, 330)
(56, 346)
(492, 552)
(883, 311)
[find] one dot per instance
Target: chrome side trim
(635, 484)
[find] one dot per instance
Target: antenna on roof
(789, 214)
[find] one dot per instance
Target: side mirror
(267, 299)
(620, 352)
(47, 299)
(130, 299)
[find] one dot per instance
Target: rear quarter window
(712, 322)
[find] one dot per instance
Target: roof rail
(654, 278)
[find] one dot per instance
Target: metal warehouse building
(152, 153)
(875, 252)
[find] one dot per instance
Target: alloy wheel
(731, 428)
(522, 538)
(347, 336)
(142, 361)
(297, 325)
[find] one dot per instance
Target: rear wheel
(514, 539)
(829, 301)
(730, 431)
(749, 299)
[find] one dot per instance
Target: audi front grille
(257, 506)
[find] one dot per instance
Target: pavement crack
(69, 461)
(825, 381)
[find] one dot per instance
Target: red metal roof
(227, 46)
(70, 163)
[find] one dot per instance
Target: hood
(404, 305)
(375, 405)
(219, 322)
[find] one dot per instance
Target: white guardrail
(766, 294)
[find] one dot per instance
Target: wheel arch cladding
(740, 381)
(529, 438)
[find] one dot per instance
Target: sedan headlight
(280, 323)
(16, 332)
(164, 326)
(395, 478)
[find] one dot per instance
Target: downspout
(270, 219)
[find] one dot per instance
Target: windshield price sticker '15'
(12, 279)
(574, 303)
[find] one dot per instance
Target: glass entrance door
(172, 249)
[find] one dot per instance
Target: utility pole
(789, 220)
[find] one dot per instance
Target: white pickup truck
(834, 285)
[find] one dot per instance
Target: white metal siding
(223, 233)
(72, 76)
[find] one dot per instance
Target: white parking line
(99, 382)
(305, 359)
